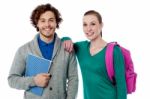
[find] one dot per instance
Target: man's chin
(47, 35)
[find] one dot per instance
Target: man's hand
(42, 79)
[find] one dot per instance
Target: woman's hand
(68, 45)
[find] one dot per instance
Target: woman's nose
(89, 28)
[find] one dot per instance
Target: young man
(62, 80)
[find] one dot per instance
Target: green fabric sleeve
(119, 69)
(65, 38)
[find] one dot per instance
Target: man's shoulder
(25, 46)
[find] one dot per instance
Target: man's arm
(16, 77)
(72, 77)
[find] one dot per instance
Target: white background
(125, 21)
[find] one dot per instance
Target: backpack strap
(109, 59)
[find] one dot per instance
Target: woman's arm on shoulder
(69, 45)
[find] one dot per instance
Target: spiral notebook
(36, 65)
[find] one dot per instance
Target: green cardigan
(96, 83)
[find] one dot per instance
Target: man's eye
(42, 21)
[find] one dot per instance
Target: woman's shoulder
(117, 51)
(82, 43)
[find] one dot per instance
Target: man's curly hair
(42, 9)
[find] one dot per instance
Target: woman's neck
(98, 43)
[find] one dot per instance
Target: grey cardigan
(64, 81)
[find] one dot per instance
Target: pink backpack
(129, 69)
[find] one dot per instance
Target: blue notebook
(34, 66)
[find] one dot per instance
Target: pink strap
(109, 59)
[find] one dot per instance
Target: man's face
(47, 24)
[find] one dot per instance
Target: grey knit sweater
(64, 81)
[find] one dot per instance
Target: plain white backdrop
(125, 21)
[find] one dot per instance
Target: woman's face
(91, 27)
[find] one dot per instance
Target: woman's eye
(84, 24)
(93, 24)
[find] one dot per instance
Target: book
(36, 65)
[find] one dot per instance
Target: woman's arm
(120, 74)
(68, 44)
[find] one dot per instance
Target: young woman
(91, 57)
